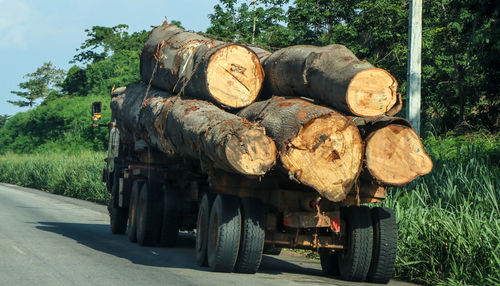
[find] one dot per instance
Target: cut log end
(326, 154)
(395, 155)
(251, 152)
(234, 76)
(372, 92)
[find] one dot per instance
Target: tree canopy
(39, 85)
(461, 48)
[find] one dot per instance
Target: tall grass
(449, 221)
(73, 175)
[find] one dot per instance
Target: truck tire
(354, 260)
(272, 250)
(170, 218)
(132, 210)
(149, 215)
(329, 262)
(385, 243)
(118, 216)
(224, 233)
(202, 227)
(252, 236)
(118, 219)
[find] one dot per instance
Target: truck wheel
(117, 216)
(329, 262)
(202, 227)
(170, 218)
(148, 215)
(252, 236)
(132, 210)
(272, 250)
(385, 243)
(354, 260)
(224, 233)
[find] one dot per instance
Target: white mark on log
(229, 72)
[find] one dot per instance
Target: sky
(36, 31)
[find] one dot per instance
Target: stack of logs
(324, 118)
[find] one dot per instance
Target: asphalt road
(52, 240)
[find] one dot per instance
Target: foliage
(70, 174)
(39, 85)
(103, 41)
(236, 23)
(62, 124)
(111, 55)
(62, 121)
(3, 119)
(448, 221)
(461, 46)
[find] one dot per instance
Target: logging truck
(237, 219)
(191, 149)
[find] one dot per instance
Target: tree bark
(229, 75)
(318, 147)
(193, 128)
(332, 75)
(394, 153)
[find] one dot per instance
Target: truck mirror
(96, 111)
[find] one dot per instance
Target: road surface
(47, 239)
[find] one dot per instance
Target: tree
(102, 42)
(39, 85)
(3, 119)
(177, 23)
(236, 23)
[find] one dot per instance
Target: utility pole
(414, 76)
(254, 19)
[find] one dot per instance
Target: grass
(74, 175)
(448, 221)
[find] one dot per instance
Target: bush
(77, 175)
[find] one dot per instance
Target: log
(334, 76)
(194, 129)
(262, 54)
(230, 75)
(318, 147)
(394, 153)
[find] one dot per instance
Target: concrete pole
(414, 64)
(254, 19)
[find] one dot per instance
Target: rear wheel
(385, 243)
(170, 218)
(132, 210)
(252, 236)
(329, 262)
(354, 260)
(202, 227)
(148, 215)
(224, 233)
(118, 216)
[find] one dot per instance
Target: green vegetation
(75, 175)
(61, 122)
(40, 84)
(449, 220)
(461, 46)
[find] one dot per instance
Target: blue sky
(36, 31)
